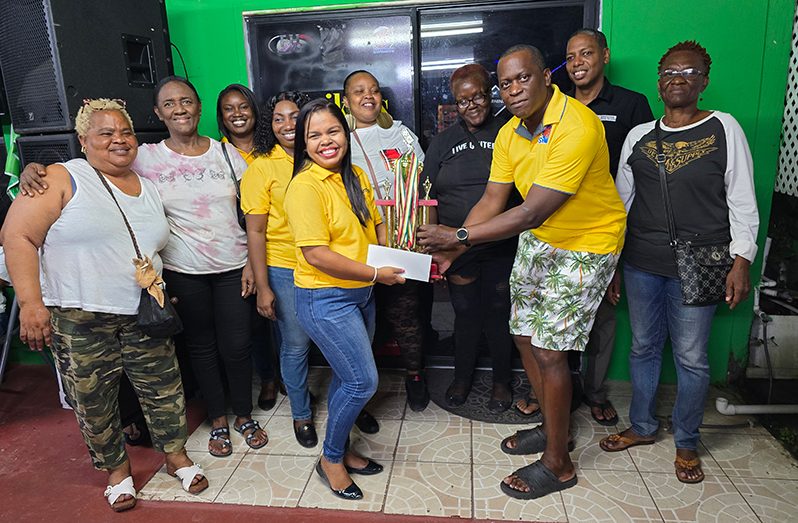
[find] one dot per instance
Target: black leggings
(217, 322)
(399, 306)
(483, 306)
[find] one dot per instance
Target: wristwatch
(462, 236)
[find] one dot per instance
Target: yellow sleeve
(570, 157)
(307, 214)
(256, 195)
(368, 193)
(501, 169)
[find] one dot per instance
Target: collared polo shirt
(566, 153)
(319, 213)
(619, 109)
(248, 157)
(263, 189)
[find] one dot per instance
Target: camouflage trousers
(92, 350)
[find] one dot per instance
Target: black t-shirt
(619, 109)
(696, 163)
(458, 168)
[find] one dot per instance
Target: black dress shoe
(457, 393)
(352, 492)
(306, 435)
(371, 468)
(417, 393)
(267, 398)
(366, 423)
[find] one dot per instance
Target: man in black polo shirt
(619, 110)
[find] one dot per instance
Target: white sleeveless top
(87, 256)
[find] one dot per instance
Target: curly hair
(474, 73)
(91, 106)
(247, 93)
(265, 140)
(692, 46)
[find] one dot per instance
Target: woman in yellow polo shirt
(271, 251)
(333, 218)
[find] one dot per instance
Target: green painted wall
(749, 41)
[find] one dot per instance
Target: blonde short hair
(91, 106)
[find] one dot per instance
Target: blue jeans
(656, 312)
(341, 323)
(294, 344)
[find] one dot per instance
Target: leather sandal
(540, 481)
(535, 416)
(688, 465)
(619, 442)
(529, 441)
(603, 405)
(252, 426)
(186, 476)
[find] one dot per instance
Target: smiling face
(467, 93)
(326, 140)
(364, 99)
(179, 109)
(239, 120)
(524, 87)
(585, 61)
(109, 142)
(284, 124)
(680, 91)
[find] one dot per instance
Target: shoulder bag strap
(232, 171)
(663, 183)
(127, 223)
(368, 164)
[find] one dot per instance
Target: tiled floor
(437, 464)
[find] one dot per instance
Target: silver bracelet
(374, 279)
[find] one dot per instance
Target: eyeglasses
(479, 99)
(688, 74)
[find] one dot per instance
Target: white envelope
(415, 264)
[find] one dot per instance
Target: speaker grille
(28, 62)
(48, 149)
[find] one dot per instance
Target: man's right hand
(31, 180)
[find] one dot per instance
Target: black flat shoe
(457, 393)
(371, 468)
(306, 435)
(267, 398)
(366, 423)
(352, 492)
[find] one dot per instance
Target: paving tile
(493, 504)
(380, 446)
(751, 456)
(773, 500)
(163, 487)
(609, 496)
(713, 500)
(387, 404)
(274, 481)
(588, 455)
(440, 442)
(432, 413)
(430, 489)
(317, 494)
(486, 443)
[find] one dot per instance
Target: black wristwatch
(462, 236)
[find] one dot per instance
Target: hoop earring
(384, 119)
(350, 120)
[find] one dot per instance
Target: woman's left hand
(247, 281)
(738, 282)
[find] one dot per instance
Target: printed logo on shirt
(679, 154)
(607, 117)
(544, 136)
(470, 145)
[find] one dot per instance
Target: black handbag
(241, 216)
(153, 320)
(701, 263)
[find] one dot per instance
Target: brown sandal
(619, 442)
(684, 466)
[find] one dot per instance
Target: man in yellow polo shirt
(571, 227)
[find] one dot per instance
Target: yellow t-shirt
(567, 153)
(319, 213)
(263, 188)
(248, 157)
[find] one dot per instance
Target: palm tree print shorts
(555, 293)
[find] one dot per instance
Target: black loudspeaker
(53, 148)
(3, 153)
(55, 53)
(3, 104)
